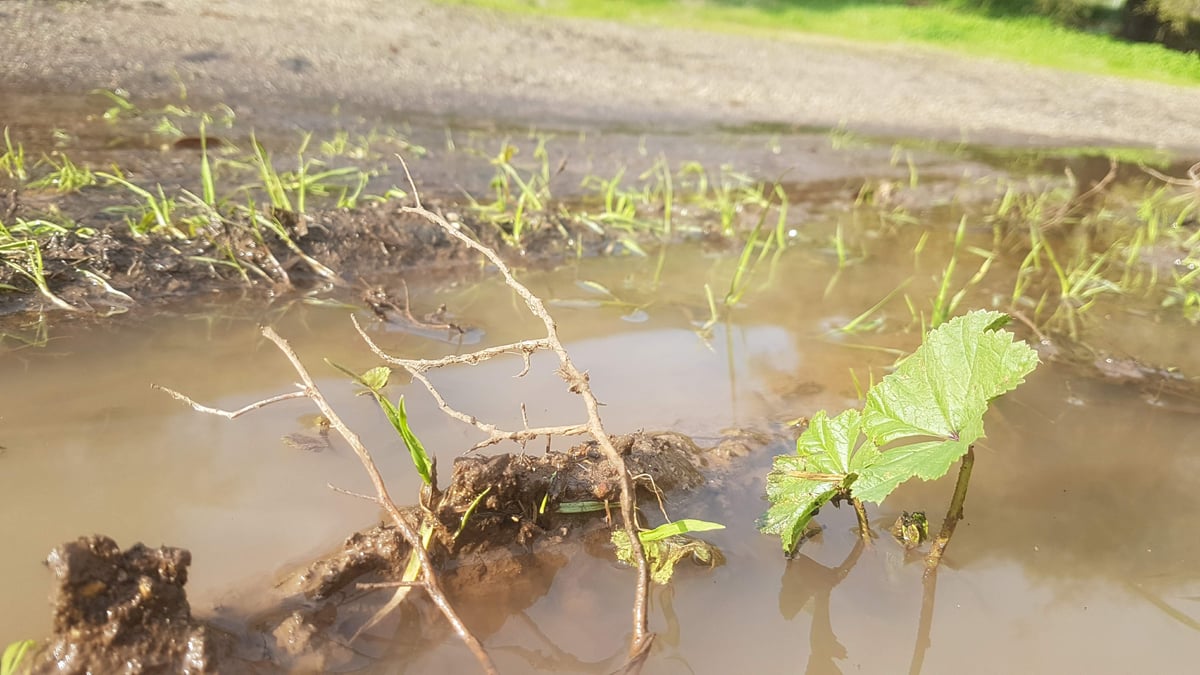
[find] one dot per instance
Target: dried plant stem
(309, 389)
(577, 382)
(230, 414)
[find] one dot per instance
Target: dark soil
(357, 245)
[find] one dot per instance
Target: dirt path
(421, 59)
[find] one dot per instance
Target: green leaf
(398, 416)
(663, 554)
(824, 466)
(681, 526)
(794, 500)
(376, 378)
(588, 506)
(829, 444)
(13, 655)
(936, 399)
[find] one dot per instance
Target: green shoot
(941, 304)
(24, 256)
(374, 380)
(273, 225)
(398, 416)
(745, 265)
(927, 414)
(466, 516)
(276, 193)
(12, 162)
(515, 196)
(208, 186)
(120, 104)
(860, 322)
(156, 210)
(13, 655)
(66, 176)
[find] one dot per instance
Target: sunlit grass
(1031, 39)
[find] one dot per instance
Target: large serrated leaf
(936, 399)
(827, 455)
(793, 502)
(948, 381)
(827, 445)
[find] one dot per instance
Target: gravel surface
(415, 58)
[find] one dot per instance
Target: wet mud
(355, 246)
(125, 611)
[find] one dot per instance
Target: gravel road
(422, 59)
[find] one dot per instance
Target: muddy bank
(335, 253)
(501, 529)
(430, 59)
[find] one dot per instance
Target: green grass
(1031, 39)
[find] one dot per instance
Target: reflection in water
(924, 623)
(806, 581)
(543, 655)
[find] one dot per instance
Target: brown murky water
(1078, 552)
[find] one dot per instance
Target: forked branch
(309, 389)
(416, 368)
(577, 382)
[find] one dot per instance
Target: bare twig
(309, 389)
(525, 347)
(349, 493)
(229, 414)
(417, 368)
(577, 382)
(1193, 179)
(432, 586)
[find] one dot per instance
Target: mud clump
(124, 611)
(521, 496)
(515, 484)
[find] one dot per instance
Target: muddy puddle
(1076, 552)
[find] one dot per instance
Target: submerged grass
(1031, 39)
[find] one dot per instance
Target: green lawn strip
(1032, 39)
